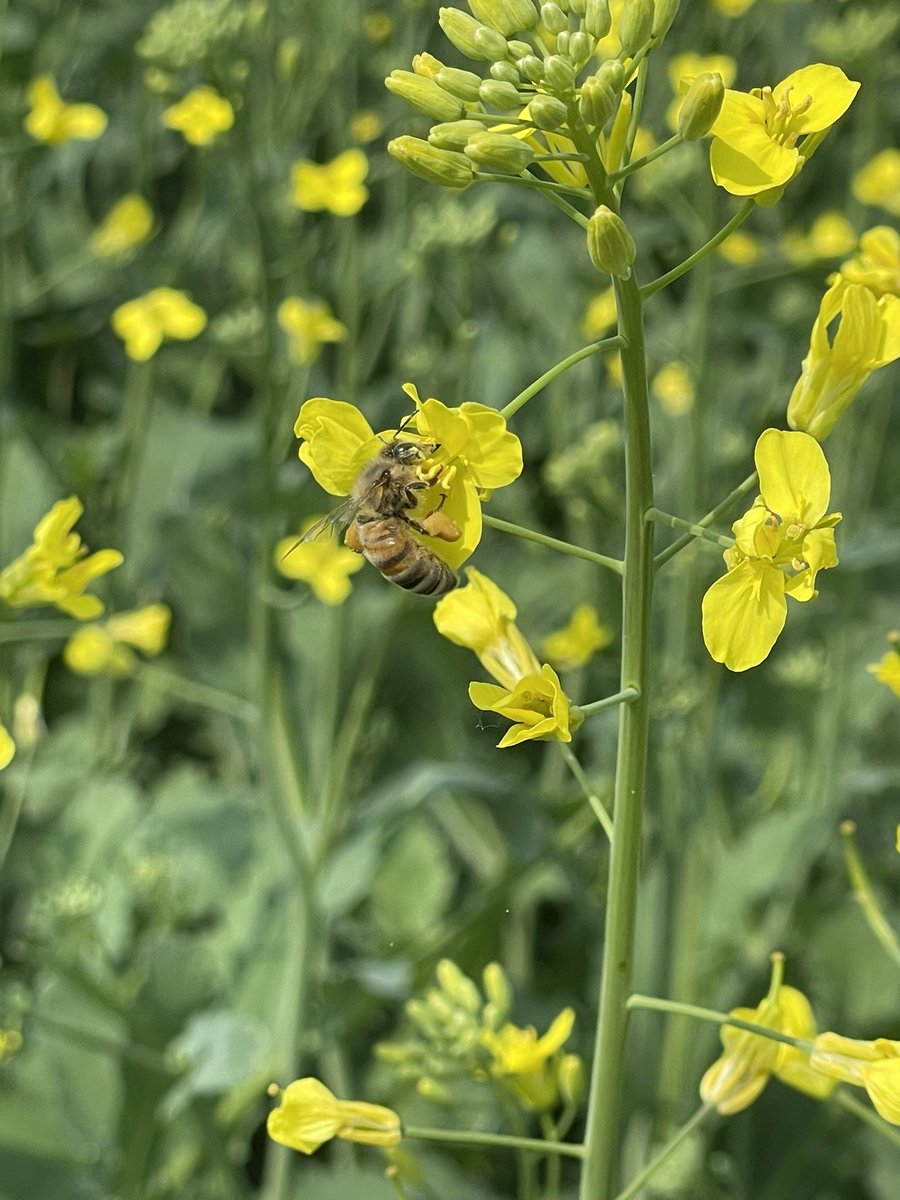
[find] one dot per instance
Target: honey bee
(377, 521)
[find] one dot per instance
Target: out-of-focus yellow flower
(200, 116)
(107, 649)
(481, 617)
(145, 322)
(324, 564)
(127, 225)
(52, 120)
(537, 706)
(378, 26)
(308, 1115)
(10, 1043)
(308, 326)
(874, 1066)
(830, 235)
(366, 126)
(336, 187)
(684, 68)
(578, 642)
(888, 670)
(600, 316)
(674, 389)
(740, 248)
(876, 263)
(781, 544)
(7, 753)
(56, 567)
(878, 182)
(867, 337)
(755, 136)
(732, 8)
(528, 1064)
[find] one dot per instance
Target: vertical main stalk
(618, 947)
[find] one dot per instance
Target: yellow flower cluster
(144, 323)
(308, 327)
(53, 121)
(107, 648)
(336, 187)
(200, 116)
(322, 563)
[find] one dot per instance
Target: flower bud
(426, 64)
(701, 105)
(547, 112)
(612, 73)
(501, 95)
(597, 18)
(504, 72)
(635, 24)
(579, 48)
(497, 989)
(425, 95)
(461, 29)
(490, 42)
(559, 74)
(597, 103)
(518, 50)
(610, 245)
(666, 12)
(532, 68)
(453, 135)
(444, 167)
(500, 151)
(506, 16)
(570, 1079)
(458, 986)
(464, 84)
(562, 43)
(553, 18)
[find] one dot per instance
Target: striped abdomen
(392, 549)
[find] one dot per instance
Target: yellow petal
(882, 1082)
(757, 165)
(794, 479)
(337, 443)
(831, 91)
(308, 1115)
(7, 747)
(743, 614)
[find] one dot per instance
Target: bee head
(411, 452)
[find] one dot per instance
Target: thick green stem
(608, 1071)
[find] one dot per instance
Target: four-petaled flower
(578, 642)
(336, 187)
(56, 567)
(755, 136)
(200, 116)
(308, 1115)
(127, 225)
(780, 545)
(52, 120)
(308, 326)
(106, 649)
(145, 322)
(322, 563)
(528, 1064)
(538, 707)
(874, 1066)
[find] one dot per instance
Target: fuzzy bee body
(386, 542)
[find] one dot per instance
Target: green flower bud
(506, 16)
(597, 18)
(532, 68)
(609, 243)
(453, 135)
(562, 43)
(570, 1079)
(701, 105)
(612, 73)
(490, 42)
(580, 49)
(444, 167)
(426, 64)
(635, 24)
(497, 989)
(460, 29)
(504, 72)
(597, 102)
(425, 95)
(458, 986)
(464, 84)
(501, 95)
(666, 12)
(559, 74)
(500, 151)
(553, 18)
(547, 112)
(518, 49)
(578, 7)
(434, 1091)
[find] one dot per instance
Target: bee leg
(351, 538)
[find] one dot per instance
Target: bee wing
(338, 519)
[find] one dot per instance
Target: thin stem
(622, 697)
(142, 1056)
(597, 805)
(610, 343)
(542, 185)
(669, 1148)
(163, 680)
(738, 493)
(650, 289)
(847, 1101)
(36, 631)
(465, 1137)
(650, 157)
(658, 517)
(552, 543)
(565, 207)
(716, 1018)
(868, 902)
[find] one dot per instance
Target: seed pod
(501, 95)
(609, 243)
(701, 105)
(505, 72)
(597, 18)
(547, 112)
(635, 24)
(444, 167)
(597, 102)
(559, 74)
(464, 84)
(425, 95)
(553, 18)
(500, 151)
(453, 135)
(460, 28)
(506, 16)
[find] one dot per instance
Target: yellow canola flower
(200, 116)
(324, 564)
(366, 125)
(781, 544)
(674, 389)
(308, 326)
(740, 248)
(876, 263)
(308, 1115)
(888, 670)
(537, 706)
(56, 567)
(7, 753)
(732, 8)
(600, 316)
(684, 68)
(481, 617)
(336, 187)
(107, 649)
(878, 182)
(145, 322)
(127, 225)
(474, 453)
(578, 642)
(755, 136)
(867, 337)
(528, 1064)
(830, 235)
(53, 121)
(874, 1066)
